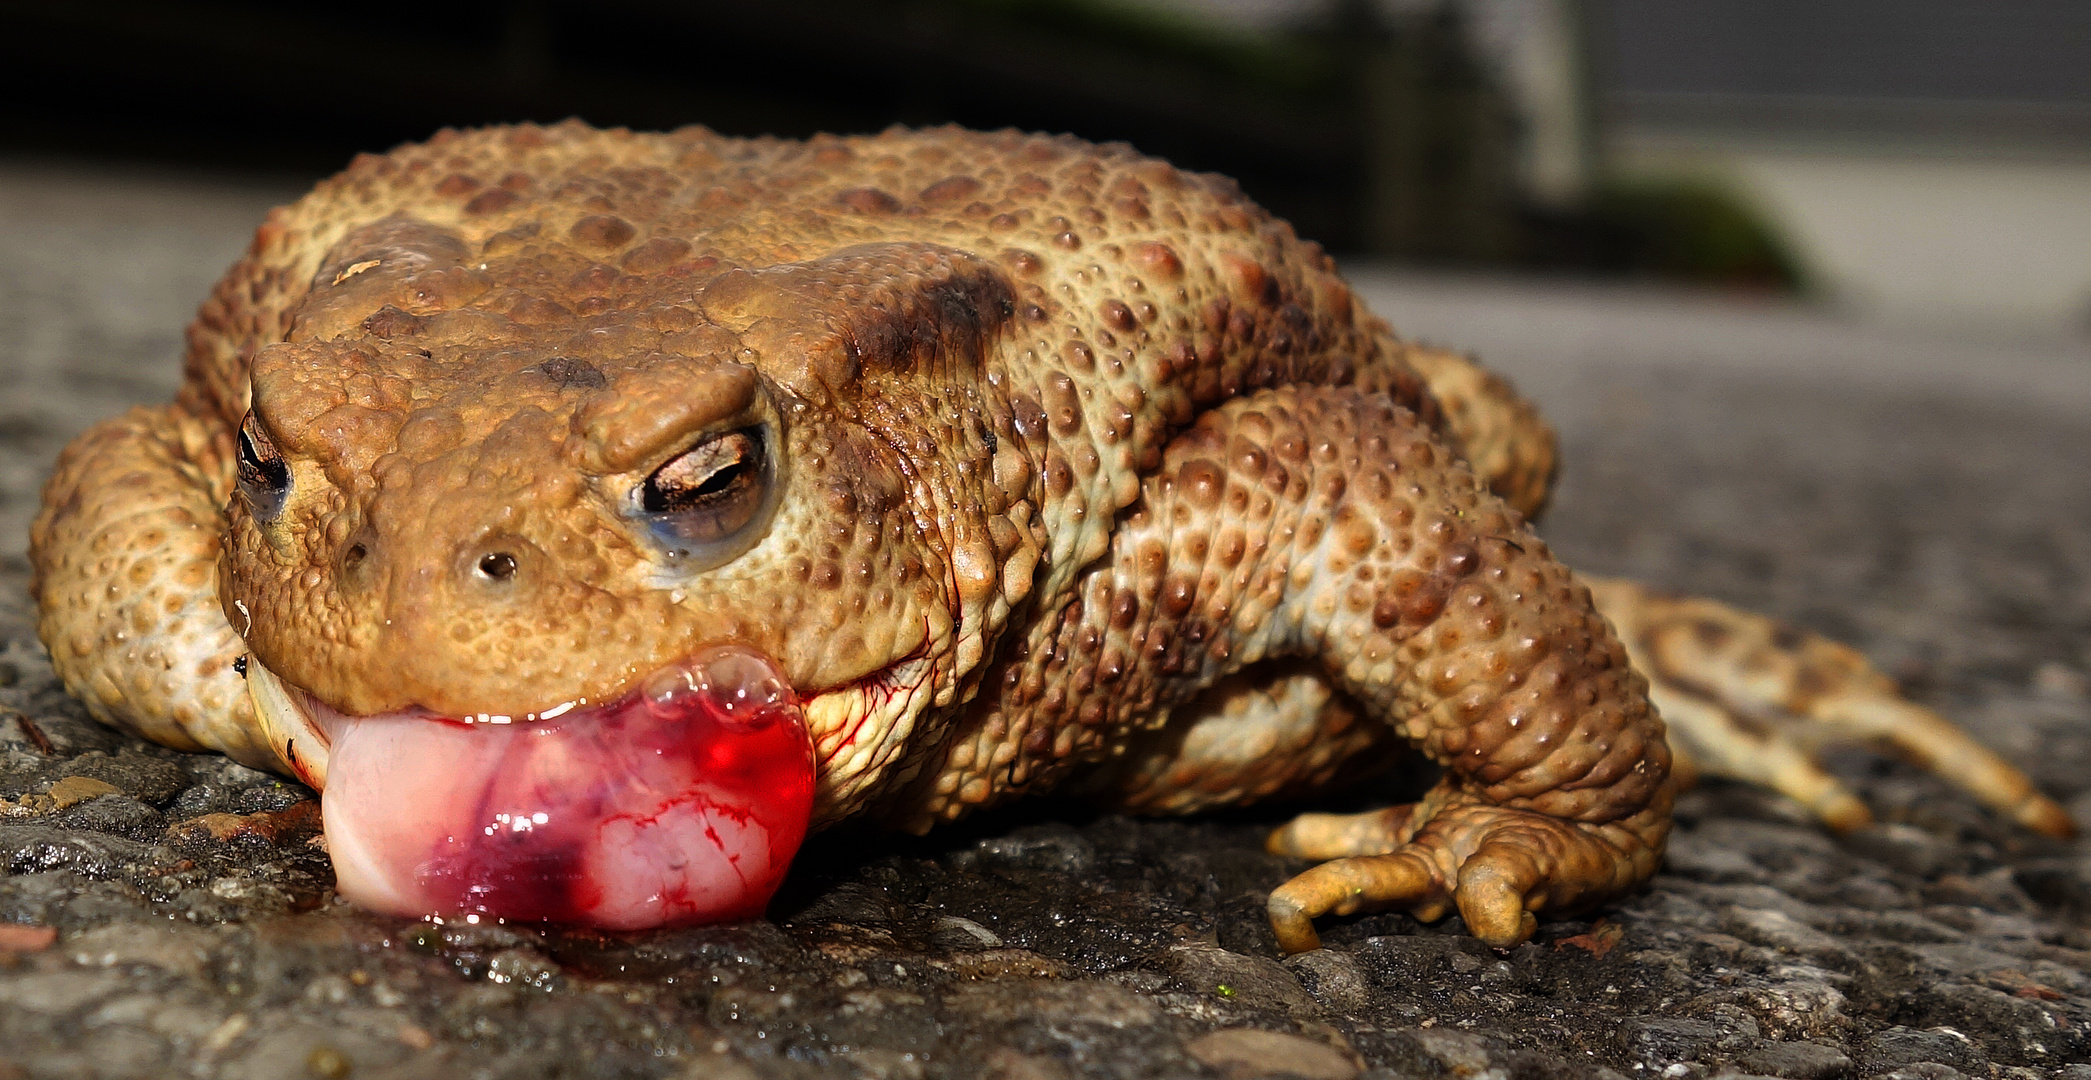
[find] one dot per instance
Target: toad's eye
(706, 500)
(264, 476)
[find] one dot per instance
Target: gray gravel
(1921, 497)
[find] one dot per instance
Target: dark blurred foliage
(1369, 135)
(1682, 229)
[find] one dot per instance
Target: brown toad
(586, 510)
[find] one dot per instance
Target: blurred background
(1924, 159)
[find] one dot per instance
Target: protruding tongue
(682, 803)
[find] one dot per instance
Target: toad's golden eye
(709, 494)
(264, 476)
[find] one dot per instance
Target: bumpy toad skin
(1067, 468)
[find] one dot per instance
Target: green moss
(1694, 229)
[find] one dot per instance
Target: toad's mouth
(681, 802)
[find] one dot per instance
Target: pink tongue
(681, 803)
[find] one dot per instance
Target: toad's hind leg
(1752, 699)
(1423, 599)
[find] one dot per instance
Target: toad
(589, 514)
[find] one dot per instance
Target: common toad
(590, 513)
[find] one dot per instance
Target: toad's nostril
(495, 563)
(354, 556)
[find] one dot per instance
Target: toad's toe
(1498, 865)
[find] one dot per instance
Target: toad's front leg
(1331, 525)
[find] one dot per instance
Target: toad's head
(582, 570)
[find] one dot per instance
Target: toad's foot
(1752, 699)
(1498, 865)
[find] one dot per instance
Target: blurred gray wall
(1930, 159)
